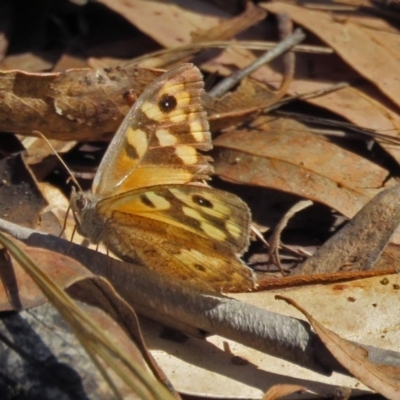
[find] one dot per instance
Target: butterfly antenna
(40, 134)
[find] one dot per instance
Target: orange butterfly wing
(149, 202)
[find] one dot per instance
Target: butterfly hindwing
(202, 211)
(193, 232)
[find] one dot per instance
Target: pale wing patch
(182, 97)
(173, 88)
(211, 230)
(187, 154)
(160, 202)
(190, 212)
(150, 110)
(234, 229)
(197, 130)
(177, 116)
(138, 140)
(166, 138)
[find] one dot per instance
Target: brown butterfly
(149, 201)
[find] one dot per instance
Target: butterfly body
(149, 201)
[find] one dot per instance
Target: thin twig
(179, 52)
(360, 131)
(275, 238)
(305, 96)
(285, 45)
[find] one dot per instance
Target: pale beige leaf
(175, 21)
(385, 379)
(352, 43)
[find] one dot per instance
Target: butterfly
(149, 200)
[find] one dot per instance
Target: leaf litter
(271, 153)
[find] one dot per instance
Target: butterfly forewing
(158, 140)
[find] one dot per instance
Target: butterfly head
(84, 209)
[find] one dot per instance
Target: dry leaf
(126, 367)
(175, 23)
(282, 154)
(355, 44)
(365, 49)
(79, 104)
(279, 391)
(19, 291)
(385, 379)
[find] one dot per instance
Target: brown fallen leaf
(385, 379)
(80, 104)
(279, 391)
(106, 353)
(231, 27)
(18, 290)
(175, 23)
(282, 154)
(356, 44)
(365, 44)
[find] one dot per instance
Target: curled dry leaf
(19, 290)
(51, 272)
(78, 104)
(385, 379)
(275, 239)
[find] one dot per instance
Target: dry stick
(361, 242)
(305, 96)
(285, 45)
(163, 299)
(285, 26)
